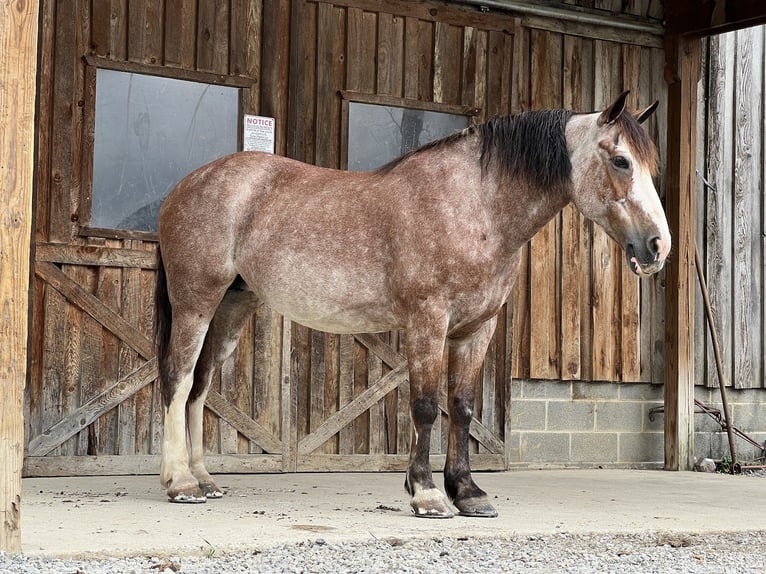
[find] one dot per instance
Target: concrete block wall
(748, 413)
(572, 423)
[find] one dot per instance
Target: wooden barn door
(352, 406)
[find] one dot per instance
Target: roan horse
(429, 243)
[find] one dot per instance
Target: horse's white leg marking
(174, 468)
(195, 413)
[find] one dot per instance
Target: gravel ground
(645, 553)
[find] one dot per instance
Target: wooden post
(18, 76)
(682, 58)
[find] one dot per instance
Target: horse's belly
(326, 299)
(333, 317)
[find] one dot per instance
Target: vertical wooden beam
(682, 58)
(18, 74)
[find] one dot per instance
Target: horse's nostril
(654, 245)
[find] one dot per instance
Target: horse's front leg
(465, 358)
(425, 349)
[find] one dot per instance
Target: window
(149, 132)
(379, 133)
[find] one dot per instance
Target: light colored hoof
(211, 490)
(188, 499)
(431, 503)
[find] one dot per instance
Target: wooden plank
(316, 379)
(212, 37)
(330, 44)
(95, 308)
(136, 17)
(546, 70)
(275, 69)
(289, 404)
(154, 31)
(747, 216)
(95, 255)
(243, 423)
(107, 465)
(76, 421)
(605, 260)
(346, 391)
(180, 42)
(59, 214)
(18, 76)
(354, 409)
(448, 49)
(377, 432)
(574, 78)
(331, 383)
(389, 462)
(390, 53)
(143, 464)
(427, 12)
(630, 336)
(130, 300)
(683, 56)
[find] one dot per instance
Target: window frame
(92, 65)
(349, 97)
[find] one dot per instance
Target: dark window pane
(377, 134)
(150, 132)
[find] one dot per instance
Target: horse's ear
(610, 115)
(643, 115)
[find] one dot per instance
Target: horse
(429, 243)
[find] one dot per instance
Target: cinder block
(641, 392)
(642, 447)
(619, 416)
(517, 386)
(658, 424)
(702, 445)
(594, 391)
(750, 417)
(547, 390)
(527, 415)
(544, 447)
(594, 447)
(514, 447)
(570, 416)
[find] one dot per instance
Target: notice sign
(258, 134)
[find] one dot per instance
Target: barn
(106, 104)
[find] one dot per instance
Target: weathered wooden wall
(731, 210)
(291, 398)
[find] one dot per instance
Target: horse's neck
(522, 209)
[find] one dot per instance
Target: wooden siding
(291, 398)
(731, 210)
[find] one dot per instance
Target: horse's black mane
(530, 144)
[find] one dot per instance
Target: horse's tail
(163, 322)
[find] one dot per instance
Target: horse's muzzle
(643, 269)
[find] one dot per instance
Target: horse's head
(613, 161)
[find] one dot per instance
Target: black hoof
(479, 507)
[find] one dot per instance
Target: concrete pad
(129, 515)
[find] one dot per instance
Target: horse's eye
(620, 162)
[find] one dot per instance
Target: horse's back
(304, 238)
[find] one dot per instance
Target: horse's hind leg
(177, 367)
(237, 306)
(465, 358)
